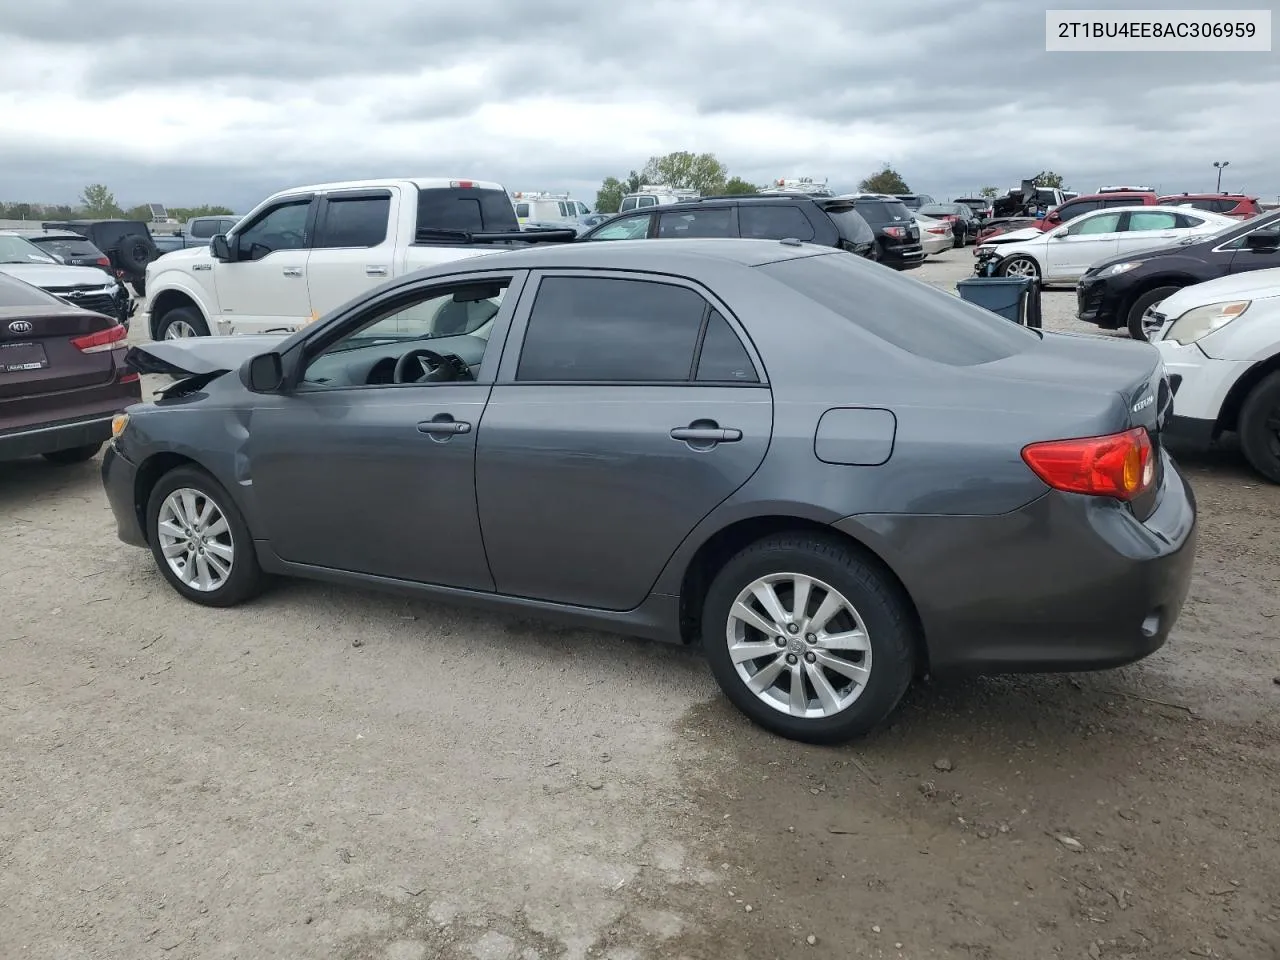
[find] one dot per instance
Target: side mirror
(263, 373)
(220, 248)
(1265, 240)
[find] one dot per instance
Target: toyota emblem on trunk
(21, 326)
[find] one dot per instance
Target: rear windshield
(15, 293)
(911, 315)
(469, 209)
(912, 202)
(883, 211)
(939, 210)
(67, 246)
(850, 223)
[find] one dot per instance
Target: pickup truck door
(264, 288)
(354, 246)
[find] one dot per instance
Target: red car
(1096, 201)
(993, 228)
(62, 375)
(1236, 205)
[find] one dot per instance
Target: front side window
(354, 221)
(611, 330)
(628, 228)
(281, 228)
(1102, 223)
(701, 222)
(1152, 221)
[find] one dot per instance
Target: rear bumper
(48, 438)
(1066, 583)
(119, 480)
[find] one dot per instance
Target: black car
(964, 224)
(1117, 292)
(73, 249)
(826, 221)
(127, 243)
(897, 233)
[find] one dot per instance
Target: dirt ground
(327, 773)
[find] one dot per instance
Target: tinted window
(522, 209)
(354, 222)
(470, 209)
(629, 203)
(1069, 210)
(203, 229)
(281, 228)
(1223, 206)
(723, 357)
(883, 211)
(1101, 223)
(68, 247)
(912, 316)
(627, 228)
(646, 201)
(1152, 221)
(849, 222)
(700, 222)
(767, 221)
(19, 250)
(1119, 202)
(1185, 221)
(15, 293)
(586, 328)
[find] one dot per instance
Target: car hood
(1014, 236)
(174, 258)
(200, 355)
(1255, 285)
(56, 275)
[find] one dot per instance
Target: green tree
(140, 212)
(205, 210)
(887, 180)
(98, 201)
(736, 185)
(1047, 178)
(609, 196)
(685, 170)
(989, 192)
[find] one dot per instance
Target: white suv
(1220, 342)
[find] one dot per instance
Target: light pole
(1221, 165)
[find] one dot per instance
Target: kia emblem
(21, 326)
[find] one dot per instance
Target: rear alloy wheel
(1259, 427)
(1137, 329)
(1019, 266)
(74, 454)
(181, 323)
(808, 639)
(200, 541)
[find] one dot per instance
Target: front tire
(1259, 427)
(1140, 306)
(809, 639)
(73, 454)
(181, 323)
(1019, 266)
(200, 541)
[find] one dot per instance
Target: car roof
(669, 255)
(1206, 196)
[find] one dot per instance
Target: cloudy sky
(184, 102)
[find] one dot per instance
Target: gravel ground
(328, 773)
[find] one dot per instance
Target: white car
(1063, 254)
(1220, 341)
(935, 235)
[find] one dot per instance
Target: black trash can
(1014, 298)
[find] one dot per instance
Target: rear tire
(1259, 427)
(200, 541)
(73, 454)
(181, 323)
(864, 662)
(1140, 306)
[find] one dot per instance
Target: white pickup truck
(302, 252)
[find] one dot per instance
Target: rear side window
(1102, 223)
(466, 208)
(625, 228)
(1159, 220)
(766, 221)
(723, 358)
(850, 223)
(700, 222)
(605, 329)
(354, 221)
(202, 229)
(522, 210)
(912, 316)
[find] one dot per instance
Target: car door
(1074, 247)
(354, 472)
(354, 247)
(626, 410)
(264, 287)
(1146, 230)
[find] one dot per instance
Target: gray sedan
(831, 477)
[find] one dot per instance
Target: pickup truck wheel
(180, 323)
(1141, 306)
(1260, 427)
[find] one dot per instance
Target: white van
(547, 206)
(655, 194)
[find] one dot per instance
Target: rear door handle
(373, 270)
(706, 434)
(442, 427)
(293, 271)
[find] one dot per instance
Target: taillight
(103, 262)
(897, 232)
(462, 184)
(102, 340)
(1121, 465)
(129, 378)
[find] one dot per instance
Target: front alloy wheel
(196, 539)
(1019, 267)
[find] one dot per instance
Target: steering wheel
(421, 366)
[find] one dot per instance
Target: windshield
(19, 250)
(1236, 228)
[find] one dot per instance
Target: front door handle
(374, 270)
(293, 271)
(444, 426)
(692, 434)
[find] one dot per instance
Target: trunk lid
(200, 355)
(37, 355)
